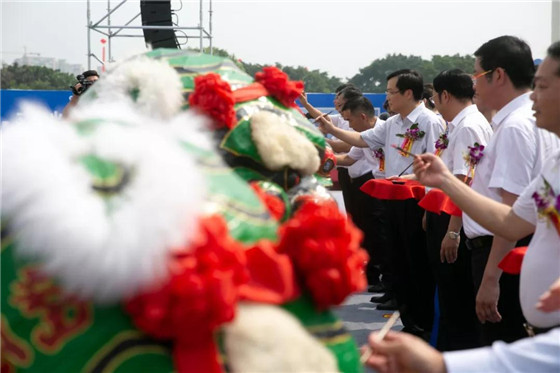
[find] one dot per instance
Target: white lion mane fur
(100, 253)
(159, 87)
(281, 145)
(265, 338)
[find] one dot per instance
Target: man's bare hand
(487, 301)
(430, 170)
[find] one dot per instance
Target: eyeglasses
(393, 92)
(475, 77)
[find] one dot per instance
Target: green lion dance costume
(175, 222)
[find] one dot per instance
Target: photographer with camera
(85, 80)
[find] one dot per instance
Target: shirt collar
(510, 107)
(414, 114)
(461, 115)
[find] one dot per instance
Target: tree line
(369, 79)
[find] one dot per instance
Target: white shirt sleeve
(375, 137)
(466, 136)
(356, 153)
(539, 354)
(525, 206)
(515, 160)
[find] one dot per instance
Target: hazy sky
(339, 37)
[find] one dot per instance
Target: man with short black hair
(417, 129)
(503, 76)
(368, 213)
(449, 257)
(344, 93)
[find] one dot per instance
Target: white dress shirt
(468, 127)
(513, 157)
(386, 135)
(366, 161)
(341, 123)
(539, 354)
(541, 264)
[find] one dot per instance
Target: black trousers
(368, 214)
(413, 282)
(345, 185)
(511, 327)
(458, 324)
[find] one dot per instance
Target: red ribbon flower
(215, 98)
(200, 295)
(325, 248)
(279, 85)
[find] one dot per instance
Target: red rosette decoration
(279, 85)
(199, 295)
(325, 249)
(272, 276)
(214, 97)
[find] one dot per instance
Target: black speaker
(158, 13)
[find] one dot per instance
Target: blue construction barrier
(326, 99)
(56, 100)
(10, 100)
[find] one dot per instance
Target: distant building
(51, 63)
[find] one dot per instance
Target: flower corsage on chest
(411, 135)
(472, 157)
(441, 143)
(380, 155)
(548, 205)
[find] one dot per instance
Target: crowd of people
(490, 141)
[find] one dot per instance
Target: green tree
(373, 77)
(34, 77)
(314, 80)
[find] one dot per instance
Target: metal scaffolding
(110, 31)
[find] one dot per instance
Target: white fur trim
(265, 338)
(159, 87)
(281, 145)
(57, 218)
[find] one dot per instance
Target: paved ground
(361, 318)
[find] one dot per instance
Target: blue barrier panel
(325, 100)
(56, 100)
(11, 98)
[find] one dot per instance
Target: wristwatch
(453, 235)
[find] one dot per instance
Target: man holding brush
(416, 130)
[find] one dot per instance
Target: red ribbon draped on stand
(394, 189)
(437, 201)
(511, 263)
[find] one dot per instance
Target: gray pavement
(361, 318)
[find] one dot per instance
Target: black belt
(479, 242)
(533, 330)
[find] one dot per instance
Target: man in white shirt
(368, 213)
(343, 93)
(540, 265)
(503, 76)
(416, 129)
(449, 257)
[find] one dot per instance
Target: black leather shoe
(390, 305)
(381, 298)
(377, 288)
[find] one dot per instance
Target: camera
(84, 82)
